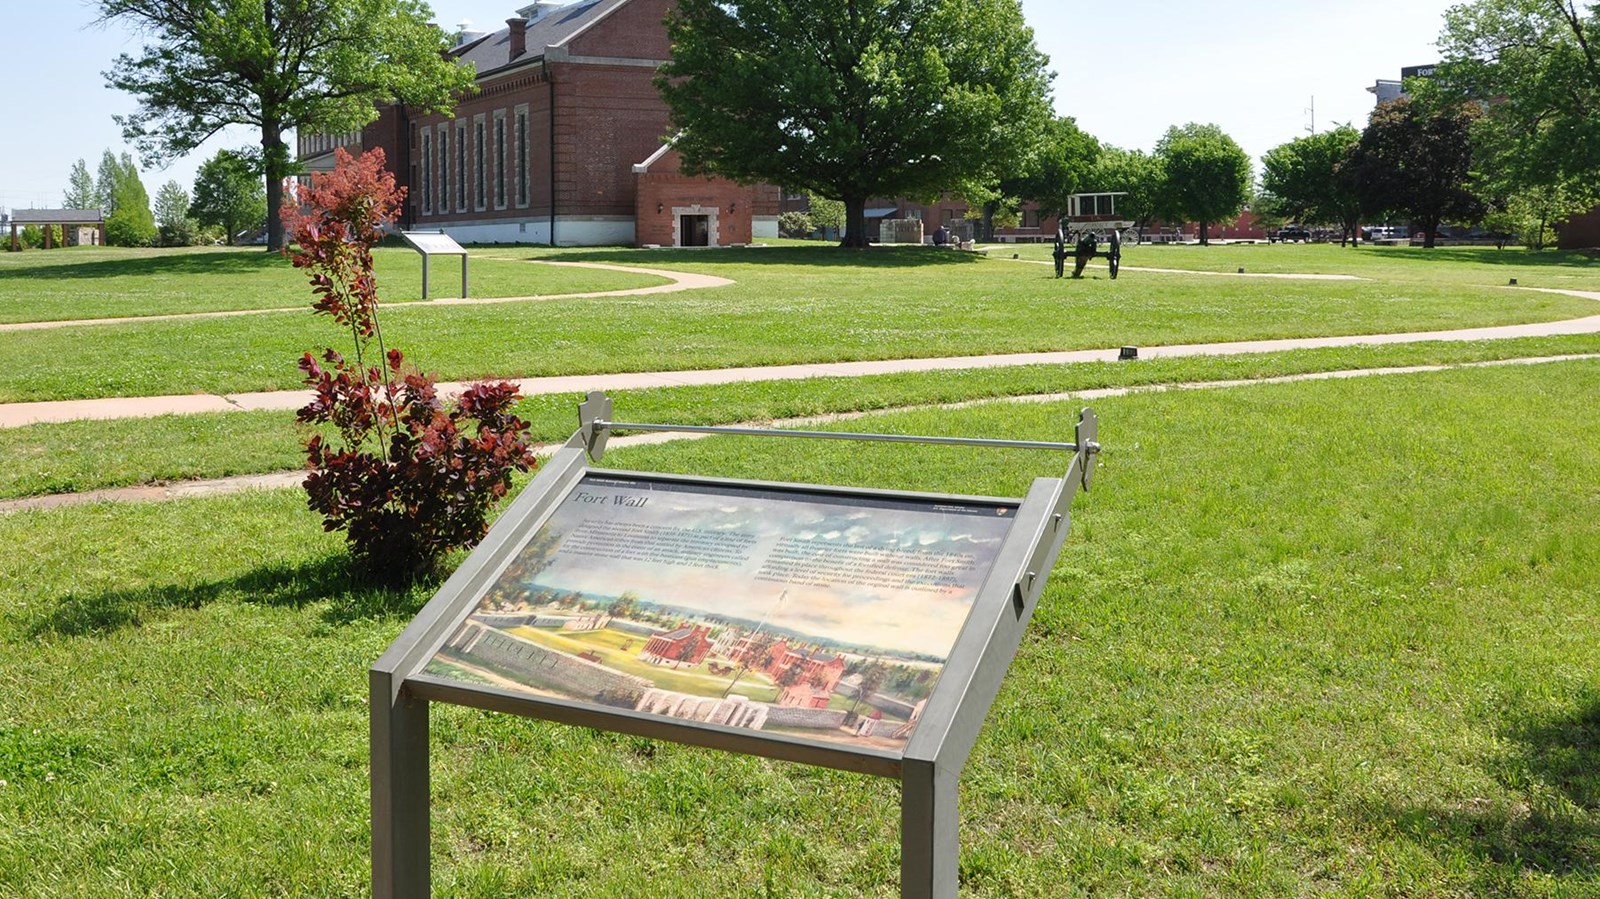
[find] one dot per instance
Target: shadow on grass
(1517, 256)
(1551, 823)
(820, 256)
(331, 579)
(234, 262)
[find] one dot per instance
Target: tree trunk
(989, 210)
(275, 164)
(855, 223)
(1432, 234)
(1204, 239)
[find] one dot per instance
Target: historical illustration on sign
(818, 617)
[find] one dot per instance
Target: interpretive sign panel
(820, 617)
(436, 243)
(866, 630)
(433, 243)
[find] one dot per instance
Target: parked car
(1290, 233)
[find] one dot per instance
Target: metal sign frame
(436, 243)
(928, 767)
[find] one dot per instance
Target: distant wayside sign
(436, 243)
(866, 630)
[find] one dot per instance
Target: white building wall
(571, 231)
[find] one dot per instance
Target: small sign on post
(864, 630)
(436, 243)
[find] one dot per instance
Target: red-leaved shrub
(407, 479)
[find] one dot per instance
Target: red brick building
(680, 648)
(562, 143)
(819, 669)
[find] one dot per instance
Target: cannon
(1086, 248)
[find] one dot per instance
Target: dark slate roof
(817, 655)
(57, 216)
(491, 51)
(679, 634)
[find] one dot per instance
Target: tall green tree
(1138, 176)
(1061, 167)
(228, 193)
(130, 222)
(1418, 164)
(855, 100)
(1057, 168)
(106, 178)
(826, 213)
(80, 188)
(1301, 180)
(1207, 176)
(1537, 64)
(275, 65)
(174, 228)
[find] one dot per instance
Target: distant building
(1387, 91)
(819, 668)
(564, 142)
(78, 226)
(681, 648)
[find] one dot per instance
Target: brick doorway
(694, 230)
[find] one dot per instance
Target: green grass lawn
(89, 455)
(1474, 266)
(1335, 638)
(789, 306)
(102, 282)
(607, 644)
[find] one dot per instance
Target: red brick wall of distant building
(1581, 232)
(608, 118)
(664, 188)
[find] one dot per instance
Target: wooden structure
(48, 219)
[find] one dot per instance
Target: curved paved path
(677, 281)
(288, 479)
(18, 414)
(1282, 276)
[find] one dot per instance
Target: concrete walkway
(1282, 276)
(18, 414)
(678, 281)
(289, 479)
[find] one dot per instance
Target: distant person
(941, 237)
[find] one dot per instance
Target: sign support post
(399, 791)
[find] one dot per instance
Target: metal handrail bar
(844, 435)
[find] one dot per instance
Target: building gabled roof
(492, 51)
(57, 216)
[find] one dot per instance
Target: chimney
(519, 37)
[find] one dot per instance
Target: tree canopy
(1536, 64)
(80, 192)
(1207, 175)
(317, 65)
(228, 194)
(1303, 180)
(1418, 164)
(855, 100)
(130, 222)
(1139, 176)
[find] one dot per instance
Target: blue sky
(856, 609)
(1127, 69)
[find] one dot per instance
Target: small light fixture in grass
(1128, 354)
(407, 478)
(1513, 282)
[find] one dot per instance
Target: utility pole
(1312, 128)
